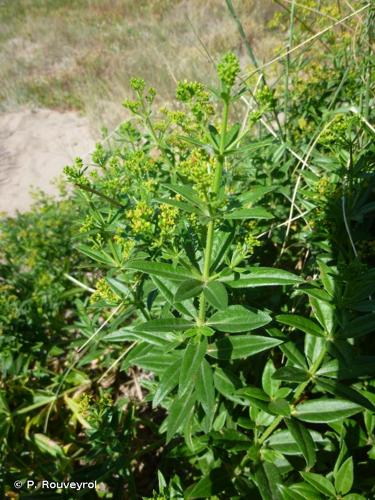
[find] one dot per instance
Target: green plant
(42, 302)
(181, 248)
(221, 346)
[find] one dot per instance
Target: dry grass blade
(299, 178)
(309, 40)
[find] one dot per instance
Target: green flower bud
(228, 69)
(137, 84)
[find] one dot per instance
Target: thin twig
(283, 224)
(79, 283)
(101, 327)
(115, 363)
(347, 226)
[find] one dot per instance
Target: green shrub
(36, 306)
(187, 224)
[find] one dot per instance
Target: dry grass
(80, 54)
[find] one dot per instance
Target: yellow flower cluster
(140, 218)
(84, 404)
(87, 225)
(150, 185)
(127, 245)
(326, 189)
(167, 220)
(198, 168)
(337, 131)
(103, 292)
(137, 163)
(92, 409)
(249, 241)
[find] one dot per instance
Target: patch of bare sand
(35, 145)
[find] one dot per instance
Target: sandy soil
(35, 145)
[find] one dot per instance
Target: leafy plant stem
(211, 225)
(101, 195)
(299, 391)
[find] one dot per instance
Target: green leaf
(238, 319)
(317, 293)
(167, 382)
(291, 374)
(240, 346)
(249, 147)
(251, 392)
(255, 194)
(279, 407)
(303, 439)
(268, 479)
(188, 193)
(305, 490)
(179, 412)
(164, 325)
(226, 383)
(191, 362)
(124, 334)
(192, 140)
(167, 289)
(154, 361)
(288, 494)
(48, 445)
(344, 391)
(340, 458)
(301, 323)
(354, 496)
(39, 400)
(232, 134)
(269, 384)
(265, 276)
(120, 288)
(362, 366)
(159, 269)
(221, 246)
(248, 213)
(360, 326)
(99, 256)
(216, 294)
(314, 347)
(325, 410)
(327, 278)
(324, 313)
(205, 392)
(320, 483)
(293, 354)
(256, 397)
(187, 289)
(284, 442)
(345, 477)
(181, 205)
(213, 136)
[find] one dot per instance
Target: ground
(35, 145)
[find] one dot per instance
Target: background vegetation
(81, 54)
(195, 320)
